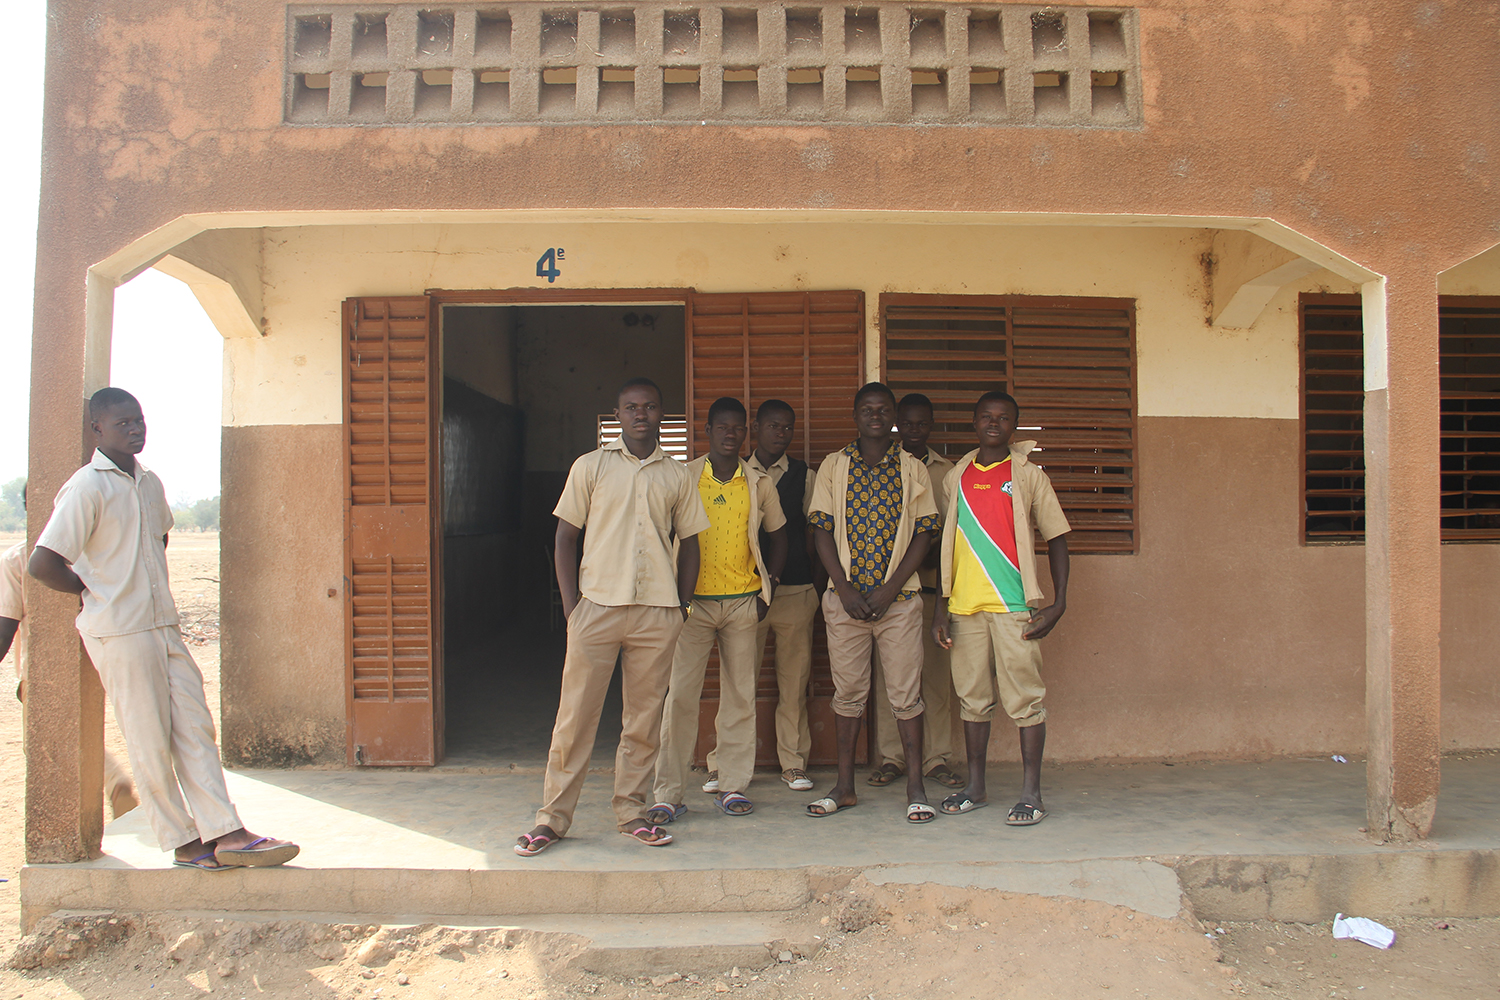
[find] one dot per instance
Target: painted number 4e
(546, 265)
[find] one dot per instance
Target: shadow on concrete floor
(502, 701)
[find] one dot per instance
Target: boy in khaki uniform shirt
(914, 423)
(107, 542)
(873, 520)
(627, 600)
(736, 583)
(796, 604)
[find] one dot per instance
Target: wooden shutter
(1469, 379)
(1333, 460)
(1070, 363)
(393, 689)
(1333, 418)
(804, 347)
(808, 349)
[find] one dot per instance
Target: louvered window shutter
(806, 348)
(1070, 363)
(394, 701)
(1333, 401)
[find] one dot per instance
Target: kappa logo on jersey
(718, 500)
(980, 486)
(1009, 488)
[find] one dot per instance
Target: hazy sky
(165, 350)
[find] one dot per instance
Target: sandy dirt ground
(879, 942)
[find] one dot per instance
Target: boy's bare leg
(976, 748)
(1033, 739)
(911, 744)
(847, 729)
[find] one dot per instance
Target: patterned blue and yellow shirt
(872, 509)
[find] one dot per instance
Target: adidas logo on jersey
(720, 499)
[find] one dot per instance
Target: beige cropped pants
(156, 691)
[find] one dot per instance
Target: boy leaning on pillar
(107, 543)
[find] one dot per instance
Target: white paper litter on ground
(1372, 933)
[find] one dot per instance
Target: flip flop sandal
(828, 807)
(534, 845)
(884, 775)
(254, 856)
(1025, 814)
(203, 862)
(946, 776)
(920, 812)
(665, 812)
(661, 837)
(726, 800)
(959, 803)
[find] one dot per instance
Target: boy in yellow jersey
(736, 583)
(990, 614)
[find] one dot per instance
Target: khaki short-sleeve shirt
(109, 525)
(633, 510)
(12, 601)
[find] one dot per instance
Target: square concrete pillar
(1403, 559)
(64, 716)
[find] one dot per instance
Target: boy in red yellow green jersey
(990, 612)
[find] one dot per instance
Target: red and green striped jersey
(986, 570)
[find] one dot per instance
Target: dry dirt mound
(876, 943)
(881, 942)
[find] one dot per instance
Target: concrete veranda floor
(1236, 840)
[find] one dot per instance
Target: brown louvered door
(392, 618)
(1070, 363)
(808, 349)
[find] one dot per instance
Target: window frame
(1446, 304)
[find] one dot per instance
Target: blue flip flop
(203, 862)
(665, 812)
(727, 799)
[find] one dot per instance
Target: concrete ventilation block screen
(496, 63)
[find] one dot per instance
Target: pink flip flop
(534, 845)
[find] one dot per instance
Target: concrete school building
(1236, 260)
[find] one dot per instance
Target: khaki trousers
(642, 638)
(896, 634)
(937, 695)
(156, 691)
(791, 618)
(992, 662)
(732, 624)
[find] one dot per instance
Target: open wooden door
(807, 348)
(391, 578)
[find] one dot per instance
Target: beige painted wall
(1217, 445)
(1187, 367)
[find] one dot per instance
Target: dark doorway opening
(524, 390)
